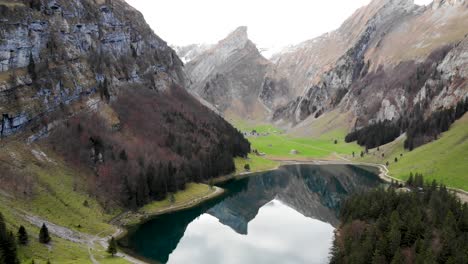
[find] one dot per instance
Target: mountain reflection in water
(282, 216)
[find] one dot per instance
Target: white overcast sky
(271, 23)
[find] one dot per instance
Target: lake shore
(383, 175)
(383, 171)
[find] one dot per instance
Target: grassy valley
(276, 144)
(444, 160)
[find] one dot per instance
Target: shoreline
(383, 175)
(383, 172)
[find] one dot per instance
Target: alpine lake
(288, 215)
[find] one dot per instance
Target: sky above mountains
(272, 23)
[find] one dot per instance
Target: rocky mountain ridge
(351, 70)
(231, 76)
(371, 54)
(56, 52)
(91, 81)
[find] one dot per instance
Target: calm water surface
(283, 216)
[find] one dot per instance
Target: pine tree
(112, 248)
(397, 258)
(44, 236)
(3, 231)
(32, 67)
(7, 244)
(394, 239)
(123, 155)
(410, 180)
(22, 236)
(378, 258)
(9, 249)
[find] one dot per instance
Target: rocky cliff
(231, 76)
(55, 52)
(92, 80)
(380, 63)
(190, 52)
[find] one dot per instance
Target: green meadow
(276, 144)
(444, 160)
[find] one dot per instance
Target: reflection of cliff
(314, 191)
(242, 206)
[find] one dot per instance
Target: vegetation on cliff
(161, 143)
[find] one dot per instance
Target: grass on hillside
(256, 164)
(278, 145)
(445, 160)
(61, 251)
(330, 125)
(192, 192)
(56, 198)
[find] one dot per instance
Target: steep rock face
(54, 52)
(190, 52)
(231, 76)
(379, 42)
(92, 80)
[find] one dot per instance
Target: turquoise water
(283, 216)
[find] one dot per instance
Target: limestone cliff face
(54, 52)
(190, 52)
(231, 76)
(92, 81)
(368, 64)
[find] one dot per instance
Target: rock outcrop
(190, 52)
(367, 66)
(231, 76)
(54, 52)
(90, 80)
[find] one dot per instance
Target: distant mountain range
(389, 58)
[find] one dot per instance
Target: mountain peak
(237, 38)
(240, 32)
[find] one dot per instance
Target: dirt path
(104, 243)
(89, 241)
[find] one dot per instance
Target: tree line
(9, 242)
(419, 130)
(428, 224)
(159, 146)
(375, 135)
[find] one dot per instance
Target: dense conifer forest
(419, 129)
(423, 223)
